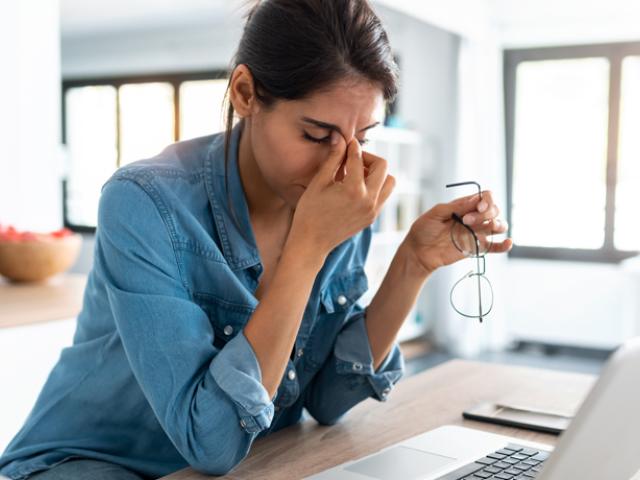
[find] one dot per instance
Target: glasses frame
(480, 271)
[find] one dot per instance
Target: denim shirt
(160, 375)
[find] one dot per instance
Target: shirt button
(300, 352)
(342, 299)
(291, 375)
(357, 366)
(277, 408)
(243, 423)
(228, 330)
(386, 391)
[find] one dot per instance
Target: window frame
(615, 53)
(173, 78)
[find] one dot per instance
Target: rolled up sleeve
(348, 375)
(209, 401)
(237, 371)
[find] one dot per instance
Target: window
(108, 123)
(572, 155)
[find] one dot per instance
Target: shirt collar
(239, 245)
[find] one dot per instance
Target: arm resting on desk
(348, 376)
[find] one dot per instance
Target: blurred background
(538, 101)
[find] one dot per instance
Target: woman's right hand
(331, 210)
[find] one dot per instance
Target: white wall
(202, 47)
(30, 164)
(466, 18)
(566, 22)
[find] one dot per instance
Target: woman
(222, 297)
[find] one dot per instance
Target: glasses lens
(469, 244)
(472, 295)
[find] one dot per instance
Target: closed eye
(326, 139)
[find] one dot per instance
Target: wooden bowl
(38, 259)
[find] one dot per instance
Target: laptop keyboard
(513, 462)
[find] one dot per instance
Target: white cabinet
(27, 355)
(589, 305)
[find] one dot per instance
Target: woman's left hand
(429, 238)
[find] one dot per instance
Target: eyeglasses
(473, 244)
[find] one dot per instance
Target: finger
(474, 217)
(501, 247)
(486, 201)
(485, 209)
(499, 225)
(492, 227)
(376, 177)
(465, 205)
(480, 201)
(354, 164)
(369, 158)
(327, 172)
(460, 206)
(386, 190)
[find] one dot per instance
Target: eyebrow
(330, 126)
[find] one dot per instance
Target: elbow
(216, 453)
(322, 409)
(328, 422)
(324, 418)
(220, 460)
(215, 467)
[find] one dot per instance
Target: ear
(242, 93)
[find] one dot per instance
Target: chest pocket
(344, 290)
(227, 318)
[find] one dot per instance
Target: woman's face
(291, 140)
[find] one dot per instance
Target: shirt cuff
(237, 371)
(353, 356)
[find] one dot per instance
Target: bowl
(34, 257)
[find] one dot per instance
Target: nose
(347, 138)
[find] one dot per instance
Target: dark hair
(295, 48)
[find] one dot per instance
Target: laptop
(602, 442)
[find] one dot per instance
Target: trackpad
(400, 462)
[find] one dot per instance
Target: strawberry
(9, 233)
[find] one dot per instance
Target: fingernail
(468, 219)
(482, 206)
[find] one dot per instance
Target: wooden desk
(419, 403)
(56, 298)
